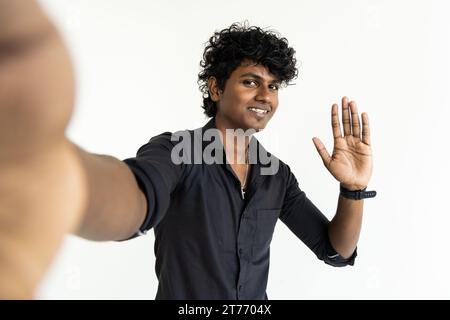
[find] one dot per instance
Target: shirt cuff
(336, 260)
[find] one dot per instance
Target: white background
(137, 63)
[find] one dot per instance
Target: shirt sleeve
(310, 225)
(157, 176)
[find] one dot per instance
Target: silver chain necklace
(244, 184)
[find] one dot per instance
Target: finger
(322, 151)
(356, 126)
(335, 122)
(346, 117)
(365, 129)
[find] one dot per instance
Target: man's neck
(235, 141)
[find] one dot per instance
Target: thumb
(322, 151)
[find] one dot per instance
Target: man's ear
(214, 91)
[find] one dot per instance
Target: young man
(213, 220)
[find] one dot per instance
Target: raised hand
(351, 160)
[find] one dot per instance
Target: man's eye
(250, 83)
(275, 87)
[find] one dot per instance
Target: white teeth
(260, 111)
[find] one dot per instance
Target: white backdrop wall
(137, 63)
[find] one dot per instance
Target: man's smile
(259, 111)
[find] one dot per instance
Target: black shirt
(210, 241)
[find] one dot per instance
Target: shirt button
(240, 252)
(240, 287)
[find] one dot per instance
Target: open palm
(351, 160)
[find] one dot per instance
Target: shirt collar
(211, 124)
(257, 165)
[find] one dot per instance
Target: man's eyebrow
(256, 76)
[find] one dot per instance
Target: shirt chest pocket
(265, 225)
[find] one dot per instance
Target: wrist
(352, 187)
(357, 194)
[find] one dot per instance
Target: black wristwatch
(357, 194)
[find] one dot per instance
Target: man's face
(249, 99)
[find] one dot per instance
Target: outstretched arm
(48, 186)
(39, 174)
(351, 164)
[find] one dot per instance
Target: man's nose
(263, 95)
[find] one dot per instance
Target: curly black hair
(228, 48)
